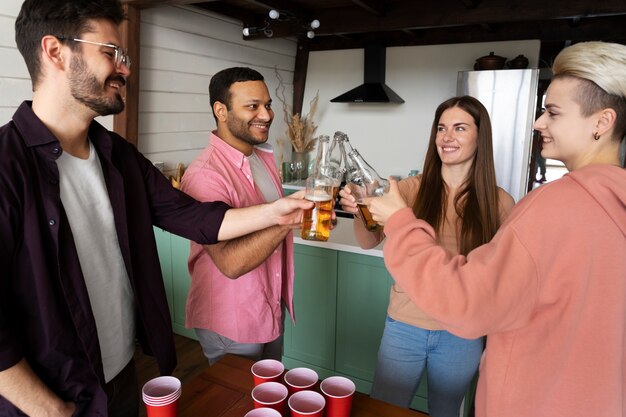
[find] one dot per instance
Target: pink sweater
(549, 291)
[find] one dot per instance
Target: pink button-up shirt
(247, 309)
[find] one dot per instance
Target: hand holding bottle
(383, 206)
(347, 199)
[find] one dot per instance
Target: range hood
(373, 89)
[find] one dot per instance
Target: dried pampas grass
(300, 130)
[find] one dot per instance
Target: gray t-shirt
(86, 202)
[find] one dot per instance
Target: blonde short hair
(600, 62)
(601, 68)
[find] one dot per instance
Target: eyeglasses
(121, 57)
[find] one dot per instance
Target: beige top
(401, 308)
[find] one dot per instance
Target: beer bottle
(364, 182)
(341, 140)
(329, 163)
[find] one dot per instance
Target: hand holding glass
(316, 220)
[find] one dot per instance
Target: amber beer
(335, 192)
(316, 220)
(366, 216)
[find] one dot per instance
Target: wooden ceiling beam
(407, 15)
(606, 28)
(375, 7)
(144, 4)
(288, 6)
(470, 4)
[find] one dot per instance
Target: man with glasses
(79, 273)
(120, 57)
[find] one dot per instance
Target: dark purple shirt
(45, 314)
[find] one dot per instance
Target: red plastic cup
(270, 395)
(161, 396)
(307, 404)
(263, 412)
(338, 392)
(267, 370)
(300, 379)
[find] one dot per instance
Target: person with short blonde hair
(549, 290)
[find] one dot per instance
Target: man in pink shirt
(239, 287)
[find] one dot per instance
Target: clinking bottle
(364, 181)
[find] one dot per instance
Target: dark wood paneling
(126, 123)
(299, 76)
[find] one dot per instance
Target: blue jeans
(405, 351)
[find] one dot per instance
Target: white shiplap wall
(15, 85)
(181, 48)
(14, 79)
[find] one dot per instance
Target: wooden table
(223, 390)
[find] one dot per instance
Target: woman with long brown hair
(458, 196)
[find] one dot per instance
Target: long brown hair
(476, 203)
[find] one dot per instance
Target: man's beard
(241, 130)
(86, 89)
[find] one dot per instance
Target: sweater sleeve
(493, 289)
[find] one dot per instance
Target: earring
(596, 136)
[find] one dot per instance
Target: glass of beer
(316, 221)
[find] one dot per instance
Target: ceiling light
(252, 30)
(274, 14)
(282, 16)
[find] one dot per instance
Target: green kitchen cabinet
(312, 339)
(173, 254)
(362, 299)
(181, 283)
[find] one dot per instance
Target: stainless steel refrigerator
(510, 97)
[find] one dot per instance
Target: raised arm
(493, 289)
(286, 211)
(241, 255)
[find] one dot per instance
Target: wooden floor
(191, 361)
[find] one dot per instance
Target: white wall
(393, 137)
(14, 80)
(15, 85)
(181, 48)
